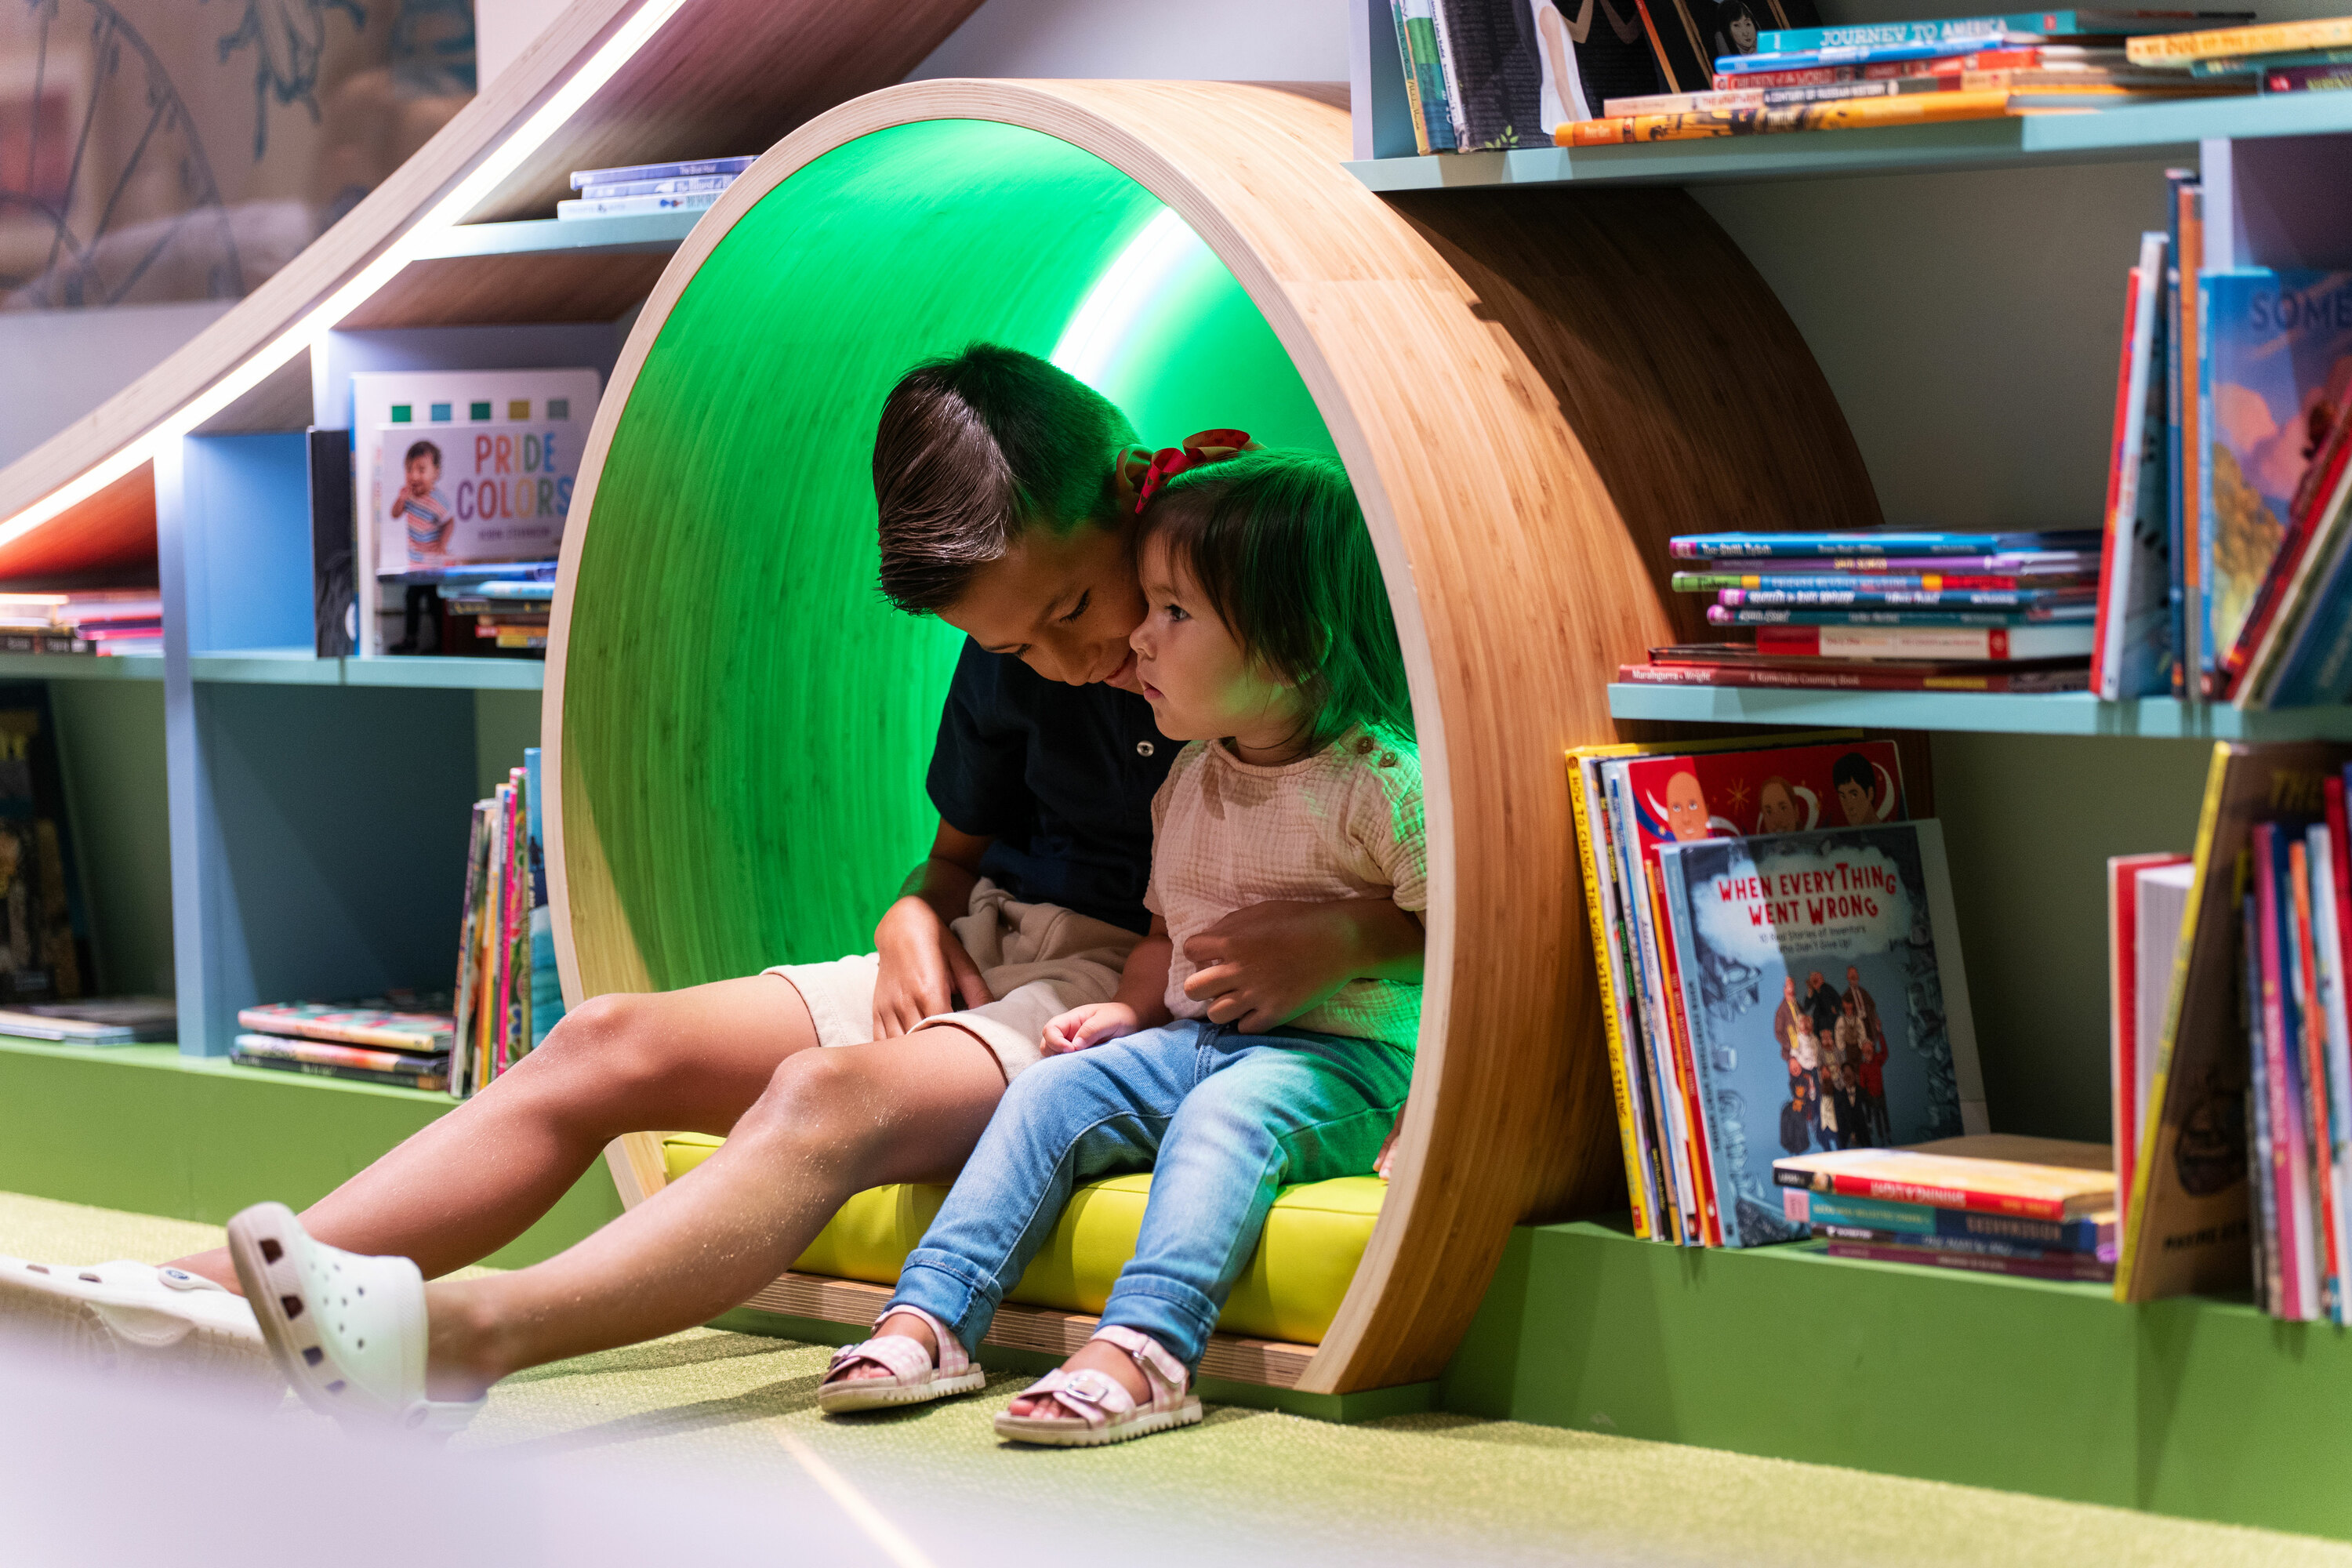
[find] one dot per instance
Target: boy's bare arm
(925, 970)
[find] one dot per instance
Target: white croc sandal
(1106, 1413)
(348, 1330)
(136, 1318)
(910, 1377)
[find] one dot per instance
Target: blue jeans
(1230, 1119)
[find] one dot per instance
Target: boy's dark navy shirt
(1060, 776)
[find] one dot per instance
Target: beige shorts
(1039, 960)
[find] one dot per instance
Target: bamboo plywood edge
(730, 72)
(1530, 393)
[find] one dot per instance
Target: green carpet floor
(1430, 1487)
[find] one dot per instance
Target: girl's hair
(973, 449)
(1276, 542)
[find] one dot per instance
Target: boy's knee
(610, 1036)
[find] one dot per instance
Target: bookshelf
(1995, 713)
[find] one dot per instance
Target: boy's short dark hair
(1277, 544)
(422, 450)
(975, 448)
(1854, 769)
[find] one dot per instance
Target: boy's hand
(925, 970)
(1088, 1026)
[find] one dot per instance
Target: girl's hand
(1387, 1156)
(1088, 1026)
(925, 970)
(1262, 966)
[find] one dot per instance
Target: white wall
(1205, 40)
(75, 360)
(503, 29)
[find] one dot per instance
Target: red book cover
(2320, 477)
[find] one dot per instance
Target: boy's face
(424, 473)
(1063, 604)
(1200, 684)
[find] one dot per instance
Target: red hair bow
(1202, 447)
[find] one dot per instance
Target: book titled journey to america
(1827, 1005)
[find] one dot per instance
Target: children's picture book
(1494, 80)
(1588, 51)
(99, 1021)
(2143, 890)
(354, 1024)
(2186, 1220)
(2048, 1179)
(449, 410)
(546, 988)
(2278, 368)
(2132, 652)
(1826, 1002)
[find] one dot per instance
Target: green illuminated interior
(749, 722)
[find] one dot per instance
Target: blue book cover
(1978, 29)
(546, 988)
(694, 184)
(583, 178)
(2278, 367)
(1874, 542)
(2087, 1234)
(1826, 1001)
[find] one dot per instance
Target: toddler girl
(1268, 645)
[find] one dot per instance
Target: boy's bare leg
(683, 1061)
(830, 1124)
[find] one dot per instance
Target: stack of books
(2037, 1208)
(95, 620)
(1779, 964)
(101, 1021)
(509, 614)
(2228, 515)
(2286, 56)
(1911, 73)
(403, 1039)
(509, 995)
(1886, 611)
(685, 188)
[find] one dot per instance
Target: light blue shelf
(299, 667)
(2151, 718)
(638, 234)
(81, 667)
(2148, 130)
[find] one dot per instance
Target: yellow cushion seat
(1313, 1238)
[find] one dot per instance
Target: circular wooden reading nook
(1531, 390)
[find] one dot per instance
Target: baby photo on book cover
(1827, 1006)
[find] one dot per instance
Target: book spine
(1891, 642)
(2277, 1091)
(1916, 109)
(1444, 33)
(2332, 890)
(1641, 1050)
(1843, 680)
(432, 1083)
(1621, 1083)
(498, 977)
(2277, 37)
(2106, 661)
(2311, 897)
(341, 1055)
(2081, 585)
(1974, 1263)
(266, 1022)
(2195, 655)
(1710, 1206)
(2308, 78)
(690, 169)
(2036, 616)
(627, 207)
(2062, 1236)
(2262, 1206)
(468, 974)
(2123, 1013)
(1748, 546)
(1919, 598)
(2317, 508)
(2175, 511)
(1664, 1067)
(2310, 1073)
(2064, 1262)
(696, 185)
(1411, 81)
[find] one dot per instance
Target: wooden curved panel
(713, 76)
(1531, 390)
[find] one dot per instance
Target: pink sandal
(1105, 1411)
(912, 1377)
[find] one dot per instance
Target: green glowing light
(748, 722)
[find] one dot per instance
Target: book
(2060, 562)
(1985, 1173)
(1929, 582)
(1560, 96)
(2277, 367)
(677, 185)
(2331, 890)
(2186, 247)
(1847, 677)
(45, 954)
(1923, 598)
(467, 991)
(1921, 108)
(432, 1082)
(2131, 652)
(2186, 1220)
(1857, 543)
(288, 1049)
(2035, 616)
(1616, 55)
(2038, 23)
(2022, 56)
(353, 1023)
(2254, 65)
(630, 207)
(2270, 1290)
(2308, 78)
(2039, 1265)
(2140, 969)
(2280, 615)
(2177, 48)
(546, 986)
(98, 1021)
(690, 169)
(1781, 937)
(1928, 642)
(1748, 655)
(2276, 1054)
(1493, 76)
(2298, 907)
(1424, 75)
(2092, 1233)
(334, 544)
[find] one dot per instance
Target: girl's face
(1062, 604)
(1200, 684)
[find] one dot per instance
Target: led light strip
(478, 183)
(1090, 346)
